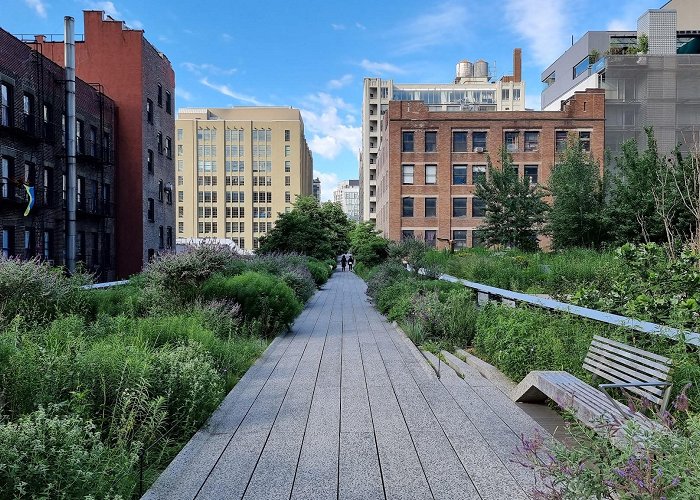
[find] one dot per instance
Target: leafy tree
(576, 218)
(515, 210)
(367, 245)
(310, 228)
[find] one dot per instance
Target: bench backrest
(621, 364)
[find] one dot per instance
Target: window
(92, 146)
(151, 210)
(287, 150)
(47, 239)
(584, 139)
(430, 174)
(169, 237)
(478, 207)
(6, 173)
(459, 207)
(287, 197)
(532, 141)
(48, 186)
(161, 237)
(407, 234)
(180, 196)
(179, 134)
(560, 141)
(431, 141)
(459, 142)
(29, 243)
(516, 94)
(160, 95)
(48, 122)
(149, 111)
(149, 161)
(479, 141)
(459, 239)
(407, 142)
(477, 238)
(505, 94)
(180, 165)
(531, 173)
(287, 180)
(169, 103)
(459, 174)
(81, 193)
(478, 174)
(549, 80)
(180, 227)
(6, 108)
(28, 112)
(407, 207)
(79, 137)
(431, 207)
(160, 190)
(180, 212)
(430, 237)
(106, 148)
(168, 147)
(407, 174)
(160, 142)
(287, 166)
(287, 135)
(581, 67)
(511, 139)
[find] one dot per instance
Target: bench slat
(646, 354)
(594, 357)
(644, 363)
(615, 380)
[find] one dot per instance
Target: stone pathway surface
(345, 406)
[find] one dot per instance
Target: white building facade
(348, 195)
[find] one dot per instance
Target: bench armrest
(624, 410)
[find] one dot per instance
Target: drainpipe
(72, 179)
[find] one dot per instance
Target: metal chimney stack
(72, 195)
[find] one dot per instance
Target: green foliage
(384, 275)
(310, 228)
(367, 247)
(48, 455)
(576, 218)
(449, 317)
(515, 211)
(125, 300)
(261, 296)
(320, 271)
(37, 292)
(293, 269)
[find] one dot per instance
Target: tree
(310, 228)
(576, 217)
(367, 245)
(515, 211)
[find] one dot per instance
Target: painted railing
(105, 285)
(486, 293)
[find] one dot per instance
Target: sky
(313, 55)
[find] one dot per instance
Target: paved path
(346, 407)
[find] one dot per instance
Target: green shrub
(320, 270)
(46, 455)
(384, 275)
(114, 301)
(303, 286)
(261, 296)
(37, 291)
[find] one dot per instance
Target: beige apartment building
(237, 169)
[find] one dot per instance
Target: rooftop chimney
(517, 65)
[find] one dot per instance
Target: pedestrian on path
(343, 262)
(351, 261)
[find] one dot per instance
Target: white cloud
(212, 69)
(380, 68)
(542, 24)
(337, 27)
(360, 26)
(226, 37)
(329, 181)
(621, 25)
(38, 5)
(134, 24)
(340, 82)
(328, 133)
(446, 24)
(227, 91)
(108, 7)
(183, 94)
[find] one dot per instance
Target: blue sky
(314, 54)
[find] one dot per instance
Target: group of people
(347, 261)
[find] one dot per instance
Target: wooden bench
(642, 373)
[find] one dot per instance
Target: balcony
(95, 207)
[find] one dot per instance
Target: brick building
(429, 161)
(33, 154)
(141, 81)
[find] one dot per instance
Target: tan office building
(237, 169)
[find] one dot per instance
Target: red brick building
(141, 81)
(429, 161)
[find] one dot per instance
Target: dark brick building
(429, 161)
(141, 81)
(33, 154)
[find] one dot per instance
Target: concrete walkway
(346, 407)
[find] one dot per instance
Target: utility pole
(72, 198)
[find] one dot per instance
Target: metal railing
(487, 293)
(108, 284)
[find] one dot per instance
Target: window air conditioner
(479, 150)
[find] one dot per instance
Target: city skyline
(277, 61)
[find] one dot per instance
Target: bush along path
(99, 389)
(345, 406)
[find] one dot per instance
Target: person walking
(343, 262)
(351, 261)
